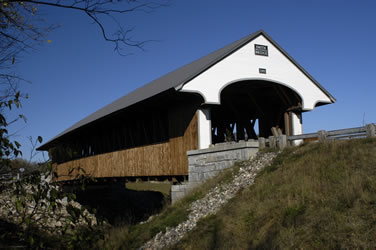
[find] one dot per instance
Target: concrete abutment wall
(206, 163)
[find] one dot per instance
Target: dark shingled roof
(176, 79)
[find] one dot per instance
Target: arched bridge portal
(246, 102)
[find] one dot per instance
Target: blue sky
(78, 72)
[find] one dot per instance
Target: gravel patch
(212, 202)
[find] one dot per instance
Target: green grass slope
(317, 196)
(134, 236)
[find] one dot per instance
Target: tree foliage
(44, 216)
(23, 28)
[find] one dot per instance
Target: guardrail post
(322, 135)
(282, 141)
(272, 141)
(371, 130)
(262, 142)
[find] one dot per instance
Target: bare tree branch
(96, 10)
(22, 28)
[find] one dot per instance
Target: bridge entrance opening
(248, 106)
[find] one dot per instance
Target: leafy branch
(40, 207)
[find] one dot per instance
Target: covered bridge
(216, 98)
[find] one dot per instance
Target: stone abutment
(206, 163)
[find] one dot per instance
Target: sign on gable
(261, 50)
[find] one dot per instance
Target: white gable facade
(245, 65)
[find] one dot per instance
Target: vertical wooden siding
(161, 159)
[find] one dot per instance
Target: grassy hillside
(134, 236)
(318, 196)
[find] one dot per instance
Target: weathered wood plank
(161, 159)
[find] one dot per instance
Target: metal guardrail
(351, 133)
(348, 133)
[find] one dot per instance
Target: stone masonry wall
(206, 163)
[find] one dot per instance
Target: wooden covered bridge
(219, 97)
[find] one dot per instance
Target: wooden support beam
(214, 136)
(221, 131)
(279, 131)
(295, 108)
(251, 131)
(287, 123)
(229, 131)
(276, 131)
(240, 135)
(264, 126)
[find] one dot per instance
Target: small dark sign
(262, 71)
(261, 50)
